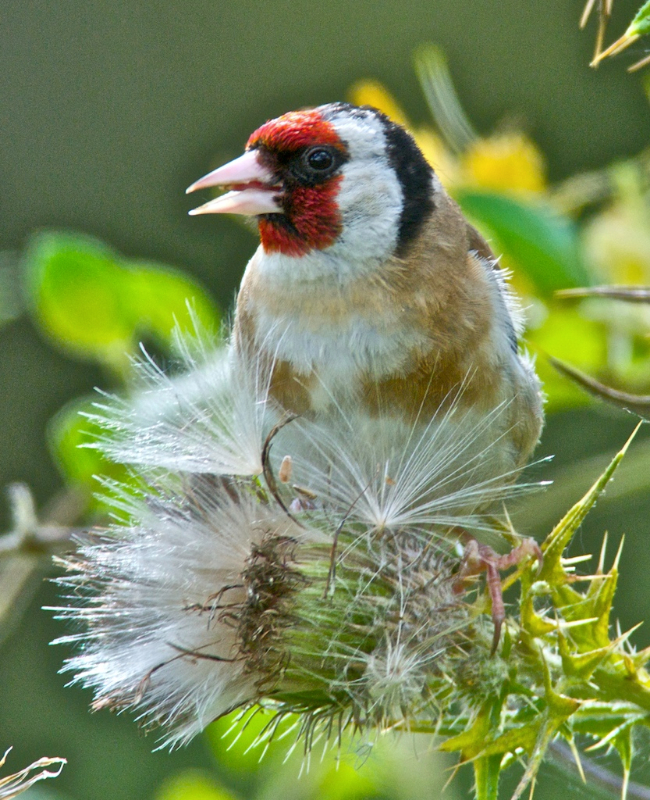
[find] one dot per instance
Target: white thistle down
(156, 637)
(431, 476)
(330, 592)
(209, 419)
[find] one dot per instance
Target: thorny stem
(598, 774)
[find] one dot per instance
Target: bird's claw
(482, 558)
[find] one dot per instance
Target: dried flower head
(331, 589)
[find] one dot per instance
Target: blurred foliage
(392, 767)
(71, 436)
(98, 305)
(193, 785)
(545, 242)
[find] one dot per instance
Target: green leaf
(532, 235)
(192, 785)
(640, 25)
(69, 433)
(161, 298)
(97, 305)
(75, 287)
(581, 665)
(559, 538)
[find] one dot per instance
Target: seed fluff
(306, 564)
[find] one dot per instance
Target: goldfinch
(369, 288)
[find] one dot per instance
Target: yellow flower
(506, 162)
(617, 243)
(373, 93)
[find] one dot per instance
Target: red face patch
(311, 218)
(313, 222)
(294, 130)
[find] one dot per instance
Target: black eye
(320, 159)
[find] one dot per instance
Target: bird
(369, 287)
(371, 290)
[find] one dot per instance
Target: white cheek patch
(370, 201)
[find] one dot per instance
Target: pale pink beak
(254, 192)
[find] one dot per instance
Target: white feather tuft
(434, 475)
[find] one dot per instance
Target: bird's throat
(311, 221)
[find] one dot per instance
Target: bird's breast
(334, 357)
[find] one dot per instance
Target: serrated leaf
(546, 735)
(602, 601)
(533, 235)
(531, 621)
(599, 719)
(471, 741)
(624, 745)
(557, 541)
(560, 707)
(581, 665)
(513, 739)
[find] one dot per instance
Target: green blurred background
(108, 110)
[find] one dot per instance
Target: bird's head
(336, 179)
